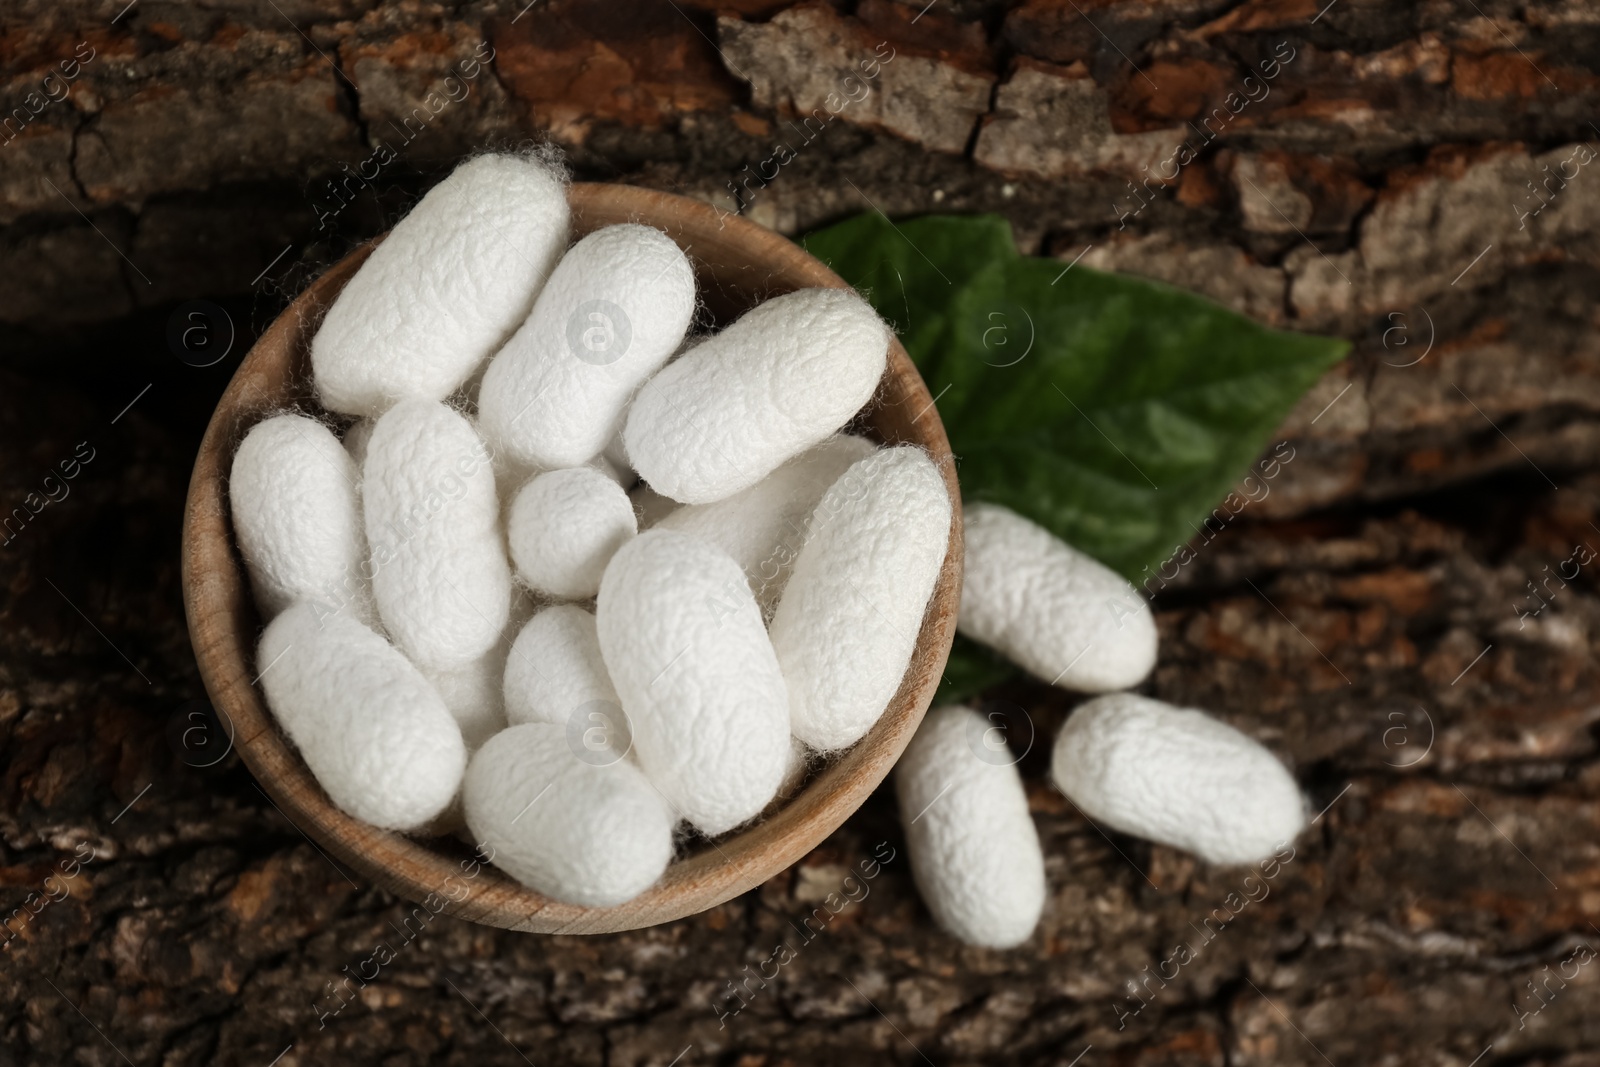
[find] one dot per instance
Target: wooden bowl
(737, 264)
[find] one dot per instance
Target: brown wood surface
(737, 264)
(1361, 620)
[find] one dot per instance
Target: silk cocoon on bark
(1059, 614)
(1178, 777)
(975, 853)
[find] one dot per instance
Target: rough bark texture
(1371, 620)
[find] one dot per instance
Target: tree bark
(1371, 620)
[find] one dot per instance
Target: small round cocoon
(585, 834)
(685, 646)
(763, 527)
(445, 288)
(848, 621)
(779, 380)
(443, 584)
(564, 526)
(611, 314)
(556, 671)
(376, 735)
(1062, 616)
(292, 491)
(975, 853)
(1178, 777)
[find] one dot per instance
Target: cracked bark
(1414, 915)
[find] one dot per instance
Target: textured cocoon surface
(445, 288)
(443, 585)
(763, 527)
(374, 732)
(848, 621)
(555, 669)
(475, 693)
(292, 491)
(684, 643)
(1064, 617)
(782, 378)
(473, 696)
(611, 314)
(1178, 777)
(572, 830)
(974, 851)
(563, 528)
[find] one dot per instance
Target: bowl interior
(737, 265)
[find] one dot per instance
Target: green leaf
(1114, 411)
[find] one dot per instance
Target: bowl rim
(224, 627)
